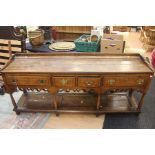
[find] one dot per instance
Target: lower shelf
(43, 102)
(118, 103)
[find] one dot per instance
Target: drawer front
(64, 81)
(28, 80)
(89, 82)
(112, 81)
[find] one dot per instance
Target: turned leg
(98, 104)
(130, 95)
(17, 112)
(130, 92)
(140, 102)
(14, 103)
(62, 98)
(55, 104)
(25, 92)
(61, 101)
(2, 91)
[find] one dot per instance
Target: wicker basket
(86, 46)
(36, 37)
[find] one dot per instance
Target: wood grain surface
(80, 63)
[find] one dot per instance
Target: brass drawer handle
(63, 82)
(89, 83)
(140, 81)
(14, 82)
(111, 81)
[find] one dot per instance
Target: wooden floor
(75, 121)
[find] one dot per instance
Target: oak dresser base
(78, 82)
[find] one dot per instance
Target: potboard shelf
(43, 102)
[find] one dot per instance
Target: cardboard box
(112, 43)
(113, 36)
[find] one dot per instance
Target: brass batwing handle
(111, 81)
(140, 81)
(14, 81)
(89, 83)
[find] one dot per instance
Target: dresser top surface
(78, 63)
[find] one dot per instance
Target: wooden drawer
(112, 81)
(64, 81)
(89, 82)
(28, 80)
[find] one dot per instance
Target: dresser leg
(98, 101)
(137, 113)
(14, 103)
(140, 102)
(98, 104)
(17, 112)
(97, 115)
(25, 92)
(57, 114)
(55, 104)
(130, 96)
(61, 102)
(130, 92)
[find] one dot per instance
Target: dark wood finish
(53, 76)
(5, 57)
(5, 54)
(10, 42)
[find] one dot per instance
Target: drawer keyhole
(42, 81)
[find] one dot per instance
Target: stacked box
(112, 43)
